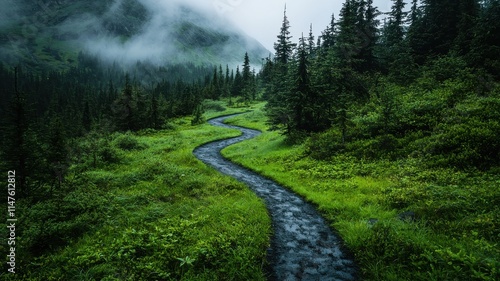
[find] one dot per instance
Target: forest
(387, 123)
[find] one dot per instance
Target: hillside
(50, 34)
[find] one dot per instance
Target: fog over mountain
(126, 31)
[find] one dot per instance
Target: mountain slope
(50, 34)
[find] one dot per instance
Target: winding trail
(303, 246)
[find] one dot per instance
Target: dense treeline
(95, 98)
(423, 82)
(58, 125)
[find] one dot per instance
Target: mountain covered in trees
(50, 34)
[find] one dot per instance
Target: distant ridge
(48, 35)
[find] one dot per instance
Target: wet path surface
(303, 246)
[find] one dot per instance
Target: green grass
(455, 232)
(160, 214)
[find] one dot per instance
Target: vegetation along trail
(303, 246)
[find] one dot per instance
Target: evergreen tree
(125, 108)
(86, 118)
(328, 36)
(284, 47)
(348, 44)
(57, 152)
(237, 87)
(155, 120)
(215, 86)
(299, 99)
(395, 30)
(311, 44)
(437, 29)
(469, 14)
(20, 149)
(485, 49)
(248, 90)
(370, 32)
(15, 148)
(221, 78)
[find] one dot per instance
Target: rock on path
(303, 246)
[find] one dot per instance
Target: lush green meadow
(144, 208)
(401, 220)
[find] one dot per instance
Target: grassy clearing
(402, 221)
(153, 213)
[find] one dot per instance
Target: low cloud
(158, 40)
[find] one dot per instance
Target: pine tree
(86, 118)
(369, 61)
(20, 149)
(311, 44)
(395, 29)
(284, 47)
(155, 120)
(248, 90)
(299, 99)
(125, 108)
(348, 44)
(485, 49)
(198, 115)
(329, 35)
(469, 14)
(15, 149)
(215, 89)
(437, 29)
(296, 101)
(57, 152)
(237, 87)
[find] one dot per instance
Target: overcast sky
(262, 19)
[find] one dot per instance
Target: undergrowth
(402, 219)
(142, 207)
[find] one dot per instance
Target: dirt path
(303, 246)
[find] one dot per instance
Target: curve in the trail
(303, 245)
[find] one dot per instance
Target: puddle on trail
(303, 246)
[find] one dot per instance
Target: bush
(217, 106)
(323, 146)
(198, 116)
(471, 144)
(127, 142)
(53, 223)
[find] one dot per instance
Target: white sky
(262, 19)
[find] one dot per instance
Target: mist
(165, 35)
(9, 11)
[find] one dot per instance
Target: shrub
(198, 115)
(323, 146)
(217, 106)
(471, 144)
(127, 142)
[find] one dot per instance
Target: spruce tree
(348, 44)
(485, 49)
(469, 14)
(311, 44)
(86, 118)
(395, 28)
(125, 108)
(297, 99)
(237, 87)
(437, 29)
(370, 31)
(328, 36)
(284, 47)
(57, 152)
